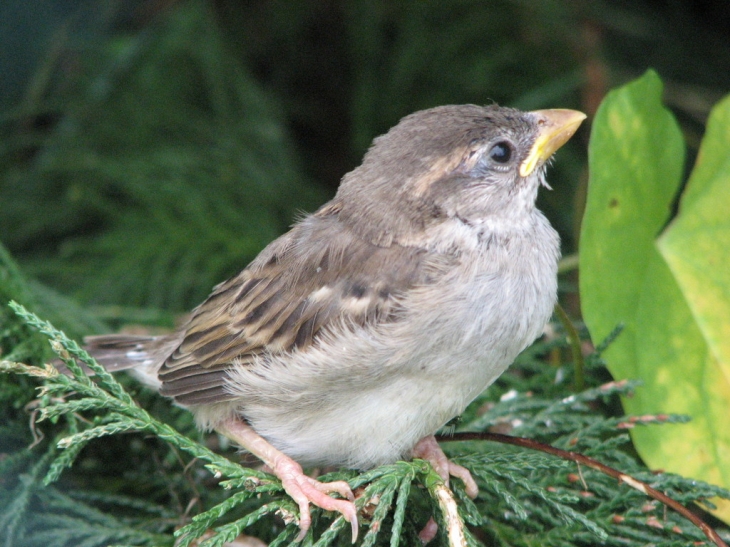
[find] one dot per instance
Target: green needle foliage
(156, 156)
(526, 498)
(146, 163)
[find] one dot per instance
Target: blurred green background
(149, 149)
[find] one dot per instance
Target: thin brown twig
(642, 487)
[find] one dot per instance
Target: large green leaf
(669, 284)
(697, 243)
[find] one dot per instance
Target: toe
(428, 449)
(464, 474)
(336, 487)
(429, 531)
(305, 517)
(305, 490)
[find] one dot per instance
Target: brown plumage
(284, 299)
(352, 338)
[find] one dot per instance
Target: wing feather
(313, 277)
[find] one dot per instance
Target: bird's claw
(305, 490)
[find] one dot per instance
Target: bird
(353, 338)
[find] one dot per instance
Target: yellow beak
(556, 127)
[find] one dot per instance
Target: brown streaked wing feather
(311, 277)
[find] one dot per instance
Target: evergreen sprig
(116, 412)
(526, 498)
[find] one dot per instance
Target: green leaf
(668, 285)
(695, 245)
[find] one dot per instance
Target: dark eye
(501, 152)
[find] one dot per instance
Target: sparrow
(351, 339)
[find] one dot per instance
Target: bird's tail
(141, 355)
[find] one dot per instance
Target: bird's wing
(313, 277)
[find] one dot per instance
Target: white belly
(367, 397)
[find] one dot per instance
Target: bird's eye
(501, 152)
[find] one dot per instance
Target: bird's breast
(366, 396)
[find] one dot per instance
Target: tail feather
(141, 355)
(121, 351)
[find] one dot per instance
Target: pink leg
(429, 450)
(301, 488)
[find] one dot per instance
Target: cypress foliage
(139, 170)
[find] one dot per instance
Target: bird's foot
(305, 490)
(429, 450)
(302, 489)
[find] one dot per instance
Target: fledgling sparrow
(351, 339)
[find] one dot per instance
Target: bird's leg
(300, 487)
(428, 449)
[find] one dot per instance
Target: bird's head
(466, 162)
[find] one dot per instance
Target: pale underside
(360, 333)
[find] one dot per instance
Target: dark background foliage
(150, 148)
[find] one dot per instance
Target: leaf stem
(574, 339)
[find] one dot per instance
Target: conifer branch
(581, 459)
(518, 494)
